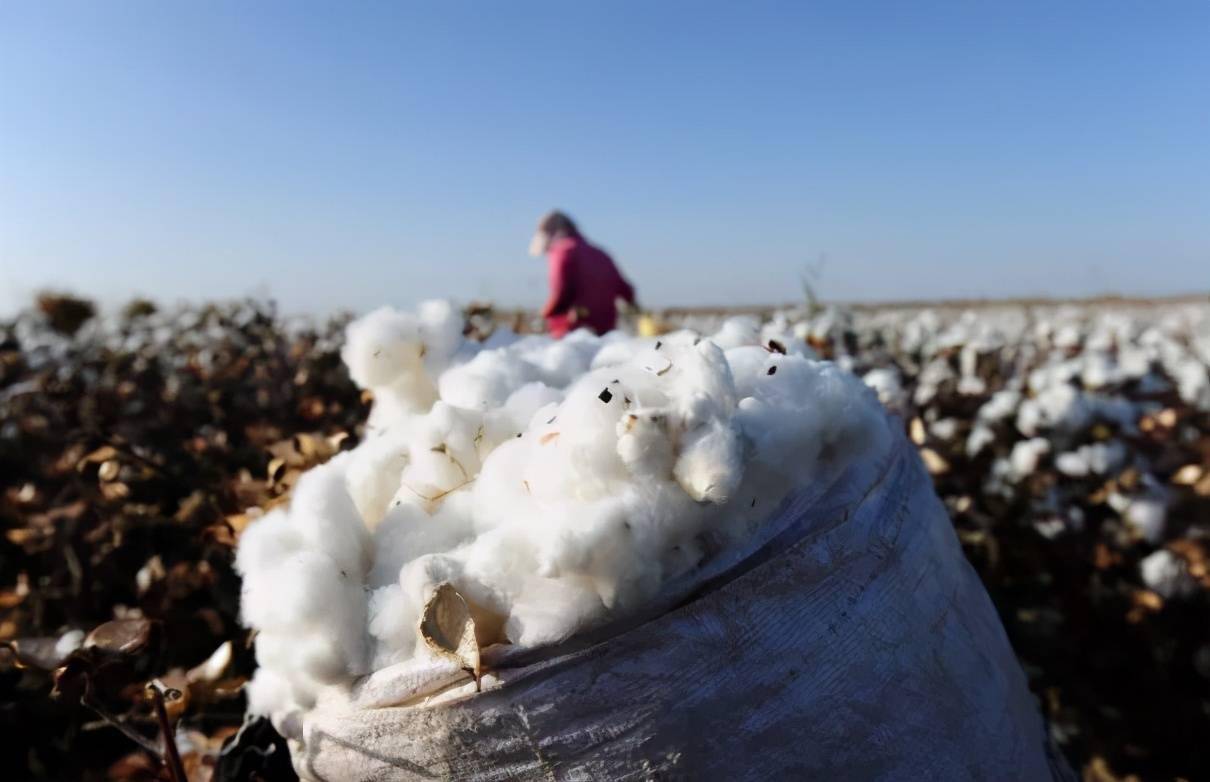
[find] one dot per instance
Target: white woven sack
(851, 640)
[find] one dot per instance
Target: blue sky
(346, 155)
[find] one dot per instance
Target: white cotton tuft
(888, 385)
(1167, 574)
(382, 347)
(399, 355)
(1147, 516)
(710, 466)
(68, 643)
(556, 484)
(1026, 455)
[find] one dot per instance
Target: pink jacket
(584, 285)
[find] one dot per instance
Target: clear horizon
(333, 159)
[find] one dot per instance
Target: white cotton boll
(430, 477)
(1167, 575)
(807, 409)
(576, 456)
(699, 383)
(736, 332)
(381, 346)
(328, 646)
(598, 541)
(375, 472)
(268, 693)
(617, 350)
(548, 611)
(749, 366)
(486, 381)
(515, 416)
(932, 377)
(888, 384)
(393, 617)
(1099, 371)
(265, 541)
(1002, 406)
(558, 362)
(1030, 418)
(489, 571)
(710, 466)
(295, 590)
(1094, 459)
(1059, 407)
(944, 429)
(615, 538)
(1117, 501)
(302, 586)
(1073, 464)
(323, 513)
(564, 360)
(1133, 362)
(395, 403)
(1148, 517)
(310, 658)
(1026, 455)
(1193, 383)
(981, 437)
(440, 325)
(409, 531)
(454, 433)
(500, 494)
(1067, 337)
(1058, 373)
(645, 444)
(971, 386)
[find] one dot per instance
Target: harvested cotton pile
(554, 484)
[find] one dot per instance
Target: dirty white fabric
(850, 640)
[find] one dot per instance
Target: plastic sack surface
(850, 640)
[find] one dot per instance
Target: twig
(171, 755)
(115, 721)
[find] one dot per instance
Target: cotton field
(266, 510)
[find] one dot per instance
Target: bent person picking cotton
(613, 555)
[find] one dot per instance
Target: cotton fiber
(555, 485)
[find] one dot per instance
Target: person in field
(585, 284)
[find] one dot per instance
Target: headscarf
(553, 225)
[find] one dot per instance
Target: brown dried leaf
(38, 653)
(1188, 475)
(276, 470)
(448, 628)
(121, 636)
(214, 667)
(103, 454)
(934, 462)
(115, 491)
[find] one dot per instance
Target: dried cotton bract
(553, 484)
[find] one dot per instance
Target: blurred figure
(584, 282)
